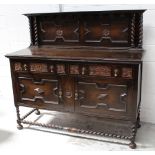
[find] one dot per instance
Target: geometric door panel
(39, 93)
(105, 97)
(111, 97)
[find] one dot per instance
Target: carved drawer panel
(127, 73)
(60, 68)
(18, 66)
(74, 69)
(100, 71)
(38, 67)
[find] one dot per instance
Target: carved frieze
(38, 67)
(127, 73)
(100, 71)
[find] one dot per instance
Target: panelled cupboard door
(39, 92)
(105, 98)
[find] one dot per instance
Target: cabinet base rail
(22, 120)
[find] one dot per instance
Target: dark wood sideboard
(87, 64)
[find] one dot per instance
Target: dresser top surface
(83, 12)
(76, 53)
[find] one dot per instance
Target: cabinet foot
(132, 145)
(37, 112)
(138, 121)
(138, 125)
(19, 127)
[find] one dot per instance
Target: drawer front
(102, 70)
(40, 67)
(105, 98)
(39, 92)
(76, 69)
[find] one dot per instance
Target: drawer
(103, 70)
(76, 69)
(40, 67)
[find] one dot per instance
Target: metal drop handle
(122, 96)
(60, 94)
(68, 94)
(116, 72)
(39, 91)
(25, 67)
(76, 96)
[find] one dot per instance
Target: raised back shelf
(102, 28)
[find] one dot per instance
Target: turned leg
(138, 121)
(132, 144)
(37, 112)
(19, 125)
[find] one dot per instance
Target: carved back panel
(58, 28)
(106, 29)
(102, 28)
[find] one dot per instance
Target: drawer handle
(83, 70)
(122, 96)
(68, 94)
(116, 72)
(25, 67)
(76, 96)
(60, 94)
(39, 91)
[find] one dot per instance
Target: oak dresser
(87, 64)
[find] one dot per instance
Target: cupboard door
(40, 92)
(105, 97)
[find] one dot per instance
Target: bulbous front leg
(132, 145)
(138, 121)
(37, 112)
(138, 125)
(19, 127)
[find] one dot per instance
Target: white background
(14, 35)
